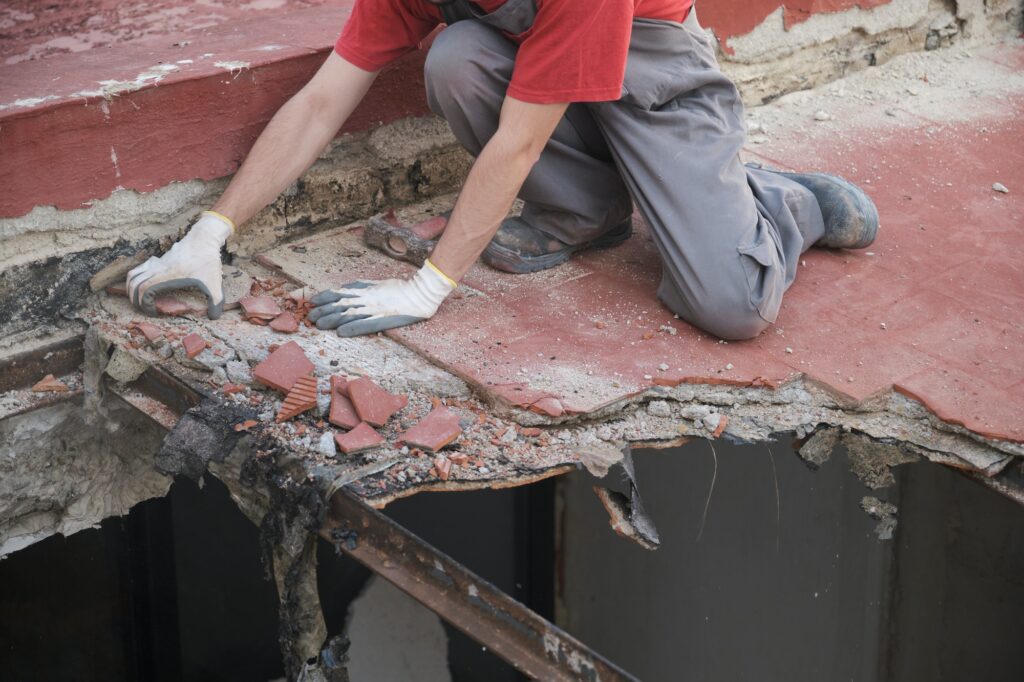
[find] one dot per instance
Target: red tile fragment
(230, 388)
(443, 467)
(246, 425)
(436, 430)
(152, 332)
(459, 459)
(285, 323)
(116, 289)
(283, 367)
(549, 406)
(300, 398)
(50, 384)
(342, 413)
(194, 345)
(722, 421)
(168, 305)
(259, 307)
(361, 438)
(372, 403)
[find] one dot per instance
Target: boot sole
(506, 260)
(862, 201)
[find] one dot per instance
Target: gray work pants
(730, 237)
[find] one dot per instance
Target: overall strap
(454, 10)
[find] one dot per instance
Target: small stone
(728, 366)
(483, 470)
(663, 367)
(711, 421)
(326, 445)
(882, 325)
(648, 377)
(1000, 187)
(789, 350)
(509, 436)
(50, 384)
(822, 115)
(219, 376)
(238, 372)
(659, 408)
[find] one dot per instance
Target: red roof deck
(934, 309)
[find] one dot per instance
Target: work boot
(519, 248)
(851, 219)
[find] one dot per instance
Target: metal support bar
(513, 632)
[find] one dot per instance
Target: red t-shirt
(574, 52)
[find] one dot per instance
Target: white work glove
(367, 307)
(192, 262)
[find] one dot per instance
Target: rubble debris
(116, 290)
(819, 447)
(342, 412)
(172, 307)
(50, 384)
(884, 513)
(285, 323)
(229, 388)
(259, 307)
(125, 367)
(372, 403)
(822, 115)
(871, 461)
(246, 425)
(659, 408)
(459, 459)
(283, 367)
(361, 438)
(435, 431)
(300, 398)
(442, 467)
(325, 446)
(154, 334)
(1000, 187)
(238, 372)
(194, 345)
(617, 506)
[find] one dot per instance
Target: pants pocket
(765, 275)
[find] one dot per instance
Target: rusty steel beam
(530, 643)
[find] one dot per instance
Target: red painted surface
(196, 122)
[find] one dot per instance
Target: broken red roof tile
(722, 421)
(259, 307)
(300, 398)
(373, 404)
(342, 413)
(459, 458)
(442, 466)
(283, 367)
(528, 431)
(168, 305)
(436, 430)
(230, 388)
(50, 384)
(152, 332)
(194, 345)
(361, 438)
(285, 323)
(246, 425)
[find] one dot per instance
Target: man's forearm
(294, 138)
(493, 183)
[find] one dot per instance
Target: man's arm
(289, 144)
(294, 138)
(493, 183)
